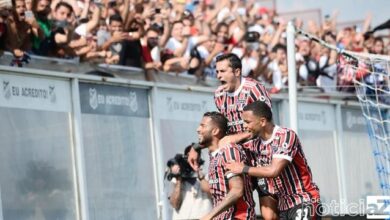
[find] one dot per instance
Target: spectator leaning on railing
(21, 26)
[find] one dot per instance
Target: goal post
(369, 75)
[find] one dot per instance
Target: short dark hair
(260, 109)
(234, 60)
(64, 4)
(153, 28)
(220, 25)
(188, 149)
(219, 120)
(279, 47)
(176, 22)
(115, 17)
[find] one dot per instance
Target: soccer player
(230, 98)
(236, 91)
(231, 193)
(298, 195)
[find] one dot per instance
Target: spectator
(110, 32)
(307, 66)
(148, 43)
(378, 47)
(190, 197)
(278, 67)
(57, 43)
(113, 42)
(22, 26)
(327, 68)
(41, 10)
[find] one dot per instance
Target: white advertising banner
(320, 117)
(34, 93)
(183, 105)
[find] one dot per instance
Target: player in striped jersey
(231, 193)
(236, 91)
(230, 98)
(298, 195)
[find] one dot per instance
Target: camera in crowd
(186, 170)
(252, 36)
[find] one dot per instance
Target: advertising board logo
(93, 100)
(52, 94)
(6, 89)
(133, 101)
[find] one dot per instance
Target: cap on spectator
(256, 28)
(263, 10)
(188, 14)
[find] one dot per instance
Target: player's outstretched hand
(193, 159)
(235, 167)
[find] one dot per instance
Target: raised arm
(176, 197)
(93, 23)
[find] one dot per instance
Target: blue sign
(113, 100)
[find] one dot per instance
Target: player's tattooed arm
(236, 191)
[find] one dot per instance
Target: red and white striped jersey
(231, 104)
(260, 155)
(295, 183)
(219, 184)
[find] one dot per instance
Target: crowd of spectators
(182, 36)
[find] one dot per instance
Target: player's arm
(233, 139)
(236, 191)
(274, 170)
(282, 156)
(204, 184)
(271, 171)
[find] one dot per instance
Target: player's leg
(268, 207)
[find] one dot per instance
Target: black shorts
(263, 193)
(261, 188)
(302, 211)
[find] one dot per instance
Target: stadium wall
(87, 147)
